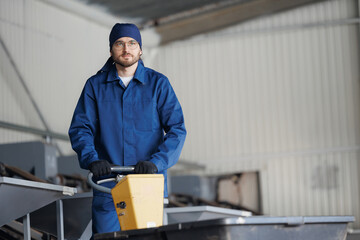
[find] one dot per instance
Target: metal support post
(26, 225)
(60, 219)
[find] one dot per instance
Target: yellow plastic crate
(139, 200)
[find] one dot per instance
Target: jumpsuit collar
(139, 74)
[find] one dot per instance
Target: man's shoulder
(98, 77)
(155, 75)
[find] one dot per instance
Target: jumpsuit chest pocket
(145, 115)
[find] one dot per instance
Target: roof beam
(224, 17)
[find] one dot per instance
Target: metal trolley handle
(117, 169)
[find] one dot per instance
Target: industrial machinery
(21, 197)
(136, 207)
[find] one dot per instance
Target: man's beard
(126, 63)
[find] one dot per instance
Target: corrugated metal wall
(55, 51)
(280, 95)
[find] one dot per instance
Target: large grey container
(249, 228)
(35, 157)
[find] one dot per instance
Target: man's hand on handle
(145, 167)
(100, 168)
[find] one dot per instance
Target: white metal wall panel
(302, 97)
(55, 52)
(280, 95)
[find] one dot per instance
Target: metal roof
(151, 11)
(179, 19)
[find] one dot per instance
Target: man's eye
(132, 43)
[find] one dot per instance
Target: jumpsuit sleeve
(83, 127)
(172, 121)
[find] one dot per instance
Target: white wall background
(56, 46)
(280, 95)
(55, 51)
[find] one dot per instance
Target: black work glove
(100, 168)
(145, 167)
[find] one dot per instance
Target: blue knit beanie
(120, 30)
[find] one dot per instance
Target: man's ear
(140, 53)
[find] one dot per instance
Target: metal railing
(44, 133)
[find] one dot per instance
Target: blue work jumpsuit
(125, 125)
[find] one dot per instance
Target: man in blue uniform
(127, 114)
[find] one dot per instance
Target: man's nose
(126, 46)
